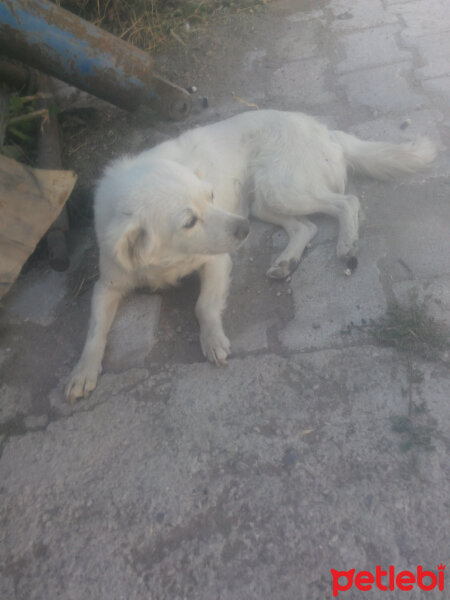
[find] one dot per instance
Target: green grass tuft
(409, 328)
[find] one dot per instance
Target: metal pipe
(49, 157)
(18, 75)
(55, 41)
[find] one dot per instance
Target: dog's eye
(190, 224)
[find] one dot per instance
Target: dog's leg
(214, 279)
(346, 209)
(300, 232)
(105, 301)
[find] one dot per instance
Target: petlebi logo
(388, 580)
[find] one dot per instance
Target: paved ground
(179, 480)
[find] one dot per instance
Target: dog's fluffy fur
(183, 206)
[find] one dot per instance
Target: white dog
(183, 206)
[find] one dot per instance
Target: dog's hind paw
(82, 381)
(282, 269)
(347, 249)
(216, 347)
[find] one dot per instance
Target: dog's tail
(383, 160)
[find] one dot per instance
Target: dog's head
(155, 212)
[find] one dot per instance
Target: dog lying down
(183, 206)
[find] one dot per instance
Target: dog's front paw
(82, 381)
(215, 346)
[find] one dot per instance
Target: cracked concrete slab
(383, 88)
(370, 49)
(434, 21)
(15, 401)
(30, 299)
(325, 304)
(413, 218)
(441, 85)
(433, 292)
(133, 333)
(437, 64)
(359, 15)
(228, 486)
(315, 448)
(305, 80)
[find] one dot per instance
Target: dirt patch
(152, 25)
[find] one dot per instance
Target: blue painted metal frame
(61, 44)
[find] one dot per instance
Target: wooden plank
(30, 200)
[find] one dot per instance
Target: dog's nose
(242, 230)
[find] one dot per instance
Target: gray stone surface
(383, 88)
(304, 79)
(313, 449)
(305, 43)
(441, 85)
(36, 422)
(360, 15)
(198, 492)
(372, 48)
(437, 63)
(436, 19)
(30, 299)
(15, 402)
(326, 304)
(435, 293)
(133, 333)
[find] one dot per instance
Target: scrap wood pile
(31, 199)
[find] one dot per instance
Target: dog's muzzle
(242, 230)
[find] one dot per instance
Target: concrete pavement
(176, 480)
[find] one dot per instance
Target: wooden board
(30, 200)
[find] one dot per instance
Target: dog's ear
(133, 247)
